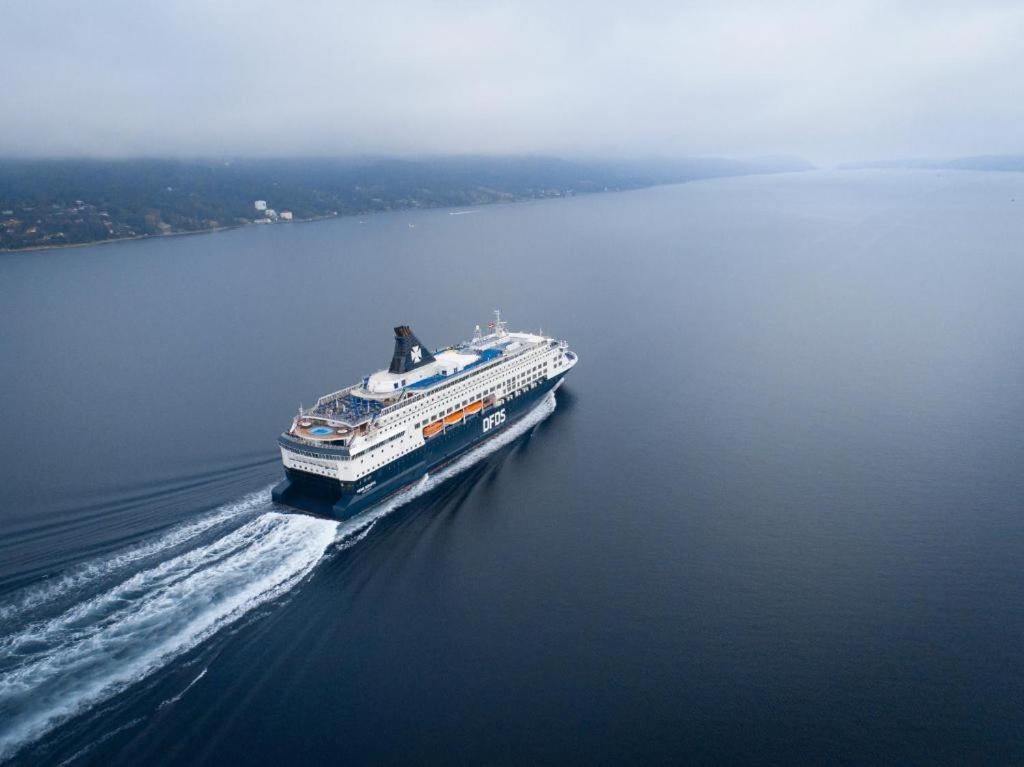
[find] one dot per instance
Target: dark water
(774, 517)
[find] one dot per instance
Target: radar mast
(500, 328)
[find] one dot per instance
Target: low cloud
(831, 82)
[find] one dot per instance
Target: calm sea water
(774, 516)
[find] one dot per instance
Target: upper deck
(341, 414)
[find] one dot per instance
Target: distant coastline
(51, 204)
(159, 235)
(1004, 163)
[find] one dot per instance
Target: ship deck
(337, 415)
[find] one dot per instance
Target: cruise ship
(360, 444)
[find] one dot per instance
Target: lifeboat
(474, 407)
(453, 418)
(432, 428)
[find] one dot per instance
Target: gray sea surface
(774, 515)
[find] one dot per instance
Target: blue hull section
(324, 496)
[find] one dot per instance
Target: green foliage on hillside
(64, 202)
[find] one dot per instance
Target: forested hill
(66, 202)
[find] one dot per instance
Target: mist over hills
(995, 162)
(57, 202)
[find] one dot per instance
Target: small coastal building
(286, 215)
(260, 204)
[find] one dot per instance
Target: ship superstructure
(362, 443)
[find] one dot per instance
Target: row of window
(465, 402)
(432, 418)
(535, 369)
(485, 392)
(376, 466)
(313, 468)
(399, 405)
(480, 371)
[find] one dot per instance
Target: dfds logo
(494, 419)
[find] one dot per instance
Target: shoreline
(336, 214)
(328, 216)
(113, 240)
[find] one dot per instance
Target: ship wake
(80, 579)
(97, 648)
(134, 612)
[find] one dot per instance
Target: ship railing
(350, 407)
(326, 449)
(352, 415)
(335, 395)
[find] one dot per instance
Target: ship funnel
(409, 352)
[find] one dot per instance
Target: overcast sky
(830, 81)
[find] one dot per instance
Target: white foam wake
(87, 573)
(357, 524)
(59, 667)
(92, 651)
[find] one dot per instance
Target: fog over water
(827, 81)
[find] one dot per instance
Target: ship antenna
(499, 326)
